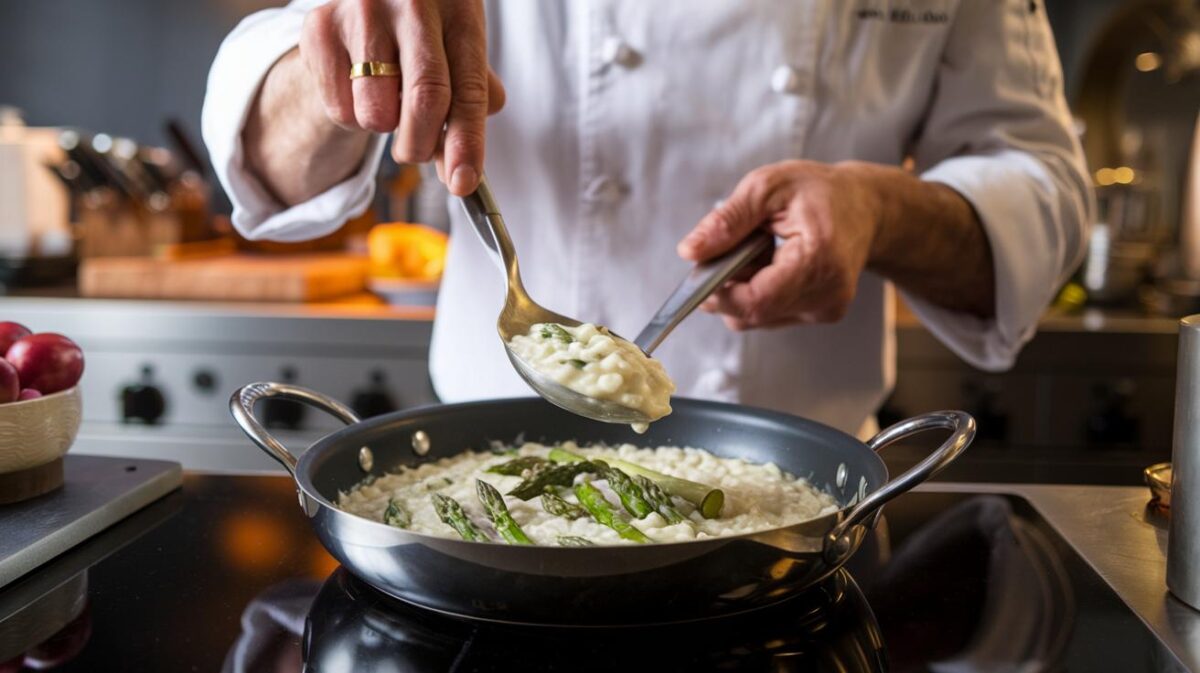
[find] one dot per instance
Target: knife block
(110, 226)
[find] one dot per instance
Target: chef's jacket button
(786, 79)
(614, 51)
(604, 190)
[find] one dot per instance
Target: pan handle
(241, 405)
(840, 542)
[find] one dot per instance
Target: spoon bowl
(521, 312)
(519, 315)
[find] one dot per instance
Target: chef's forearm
(929, 241)
(290, 144)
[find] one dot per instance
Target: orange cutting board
(292, 278)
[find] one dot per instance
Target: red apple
(10, 385)
(46, 362)
(10, 332)
(26, 393)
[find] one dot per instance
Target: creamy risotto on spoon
(592, 362)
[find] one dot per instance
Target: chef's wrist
(290, 95)
(873, 187)
(291, 145)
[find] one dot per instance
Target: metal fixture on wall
(1138, 104)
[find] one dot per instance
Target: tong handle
(705, 279)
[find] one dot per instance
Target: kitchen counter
(1124, 541)
(366, 306)
(1089, 320)
(227, 569)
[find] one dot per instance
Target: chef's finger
(426, 96)
(470, 77)
(369, 37)
(496, 94)
(771, 293)
(325, 56)
(747, 208)
(439, 159)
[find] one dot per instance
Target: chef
(922, 146)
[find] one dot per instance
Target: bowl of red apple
(40, 409)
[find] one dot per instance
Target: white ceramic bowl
(35, 432)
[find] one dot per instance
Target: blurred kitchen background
(113, 231)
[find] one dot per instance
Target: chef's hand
(827, 221)
(835, 220)
(445, 79)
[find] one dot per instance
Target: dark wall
(118, 66)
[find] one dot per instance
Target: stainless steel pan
(611, 585)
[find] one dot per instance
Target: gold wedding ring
(374, 69)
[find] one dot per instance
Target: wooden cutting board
(292, 278)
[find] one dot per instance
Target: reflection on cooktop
(829, 628)
(235, 581)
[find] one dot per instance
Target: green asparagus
(553, 331)
(435, 484)
(554, 504)
(574, 541)
(497, 511)
(451, 513)
(659, 499)
(707, 499)
(631, 495)
(551, 475)
(517, 466)
(593, 501)
(396, 515)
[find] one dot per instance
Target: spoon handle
(699, 284)
(484, 214)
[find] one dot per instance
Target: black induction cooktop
(226, 576)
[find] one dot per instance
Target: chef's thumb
(728, 223)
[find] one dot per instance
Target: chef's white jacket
(628, 120)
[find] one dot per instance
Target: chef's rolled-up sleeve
(241, 64)
(998, 131)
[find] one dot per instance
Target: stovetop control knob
(982, 402)
(374, 399)
(1109, 421)
(282, 414)
(143, 402)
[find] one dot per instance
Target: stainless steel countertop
(1110, 528)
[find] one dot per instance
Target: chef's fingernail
(688, 245)
(463, 181)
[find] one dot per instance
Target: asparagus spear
(497, 511)
(396, 515)
(553, 331)
(574, 541)
(517, 466)
(451, 513)
(632, 498)
(554, 504)
(707, 499)
(593, 501)
(659, 500)
(562, 474)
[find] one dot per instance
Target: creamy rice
(592, 362)
(757, 497)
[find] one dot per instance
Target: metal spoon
(521, 312)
